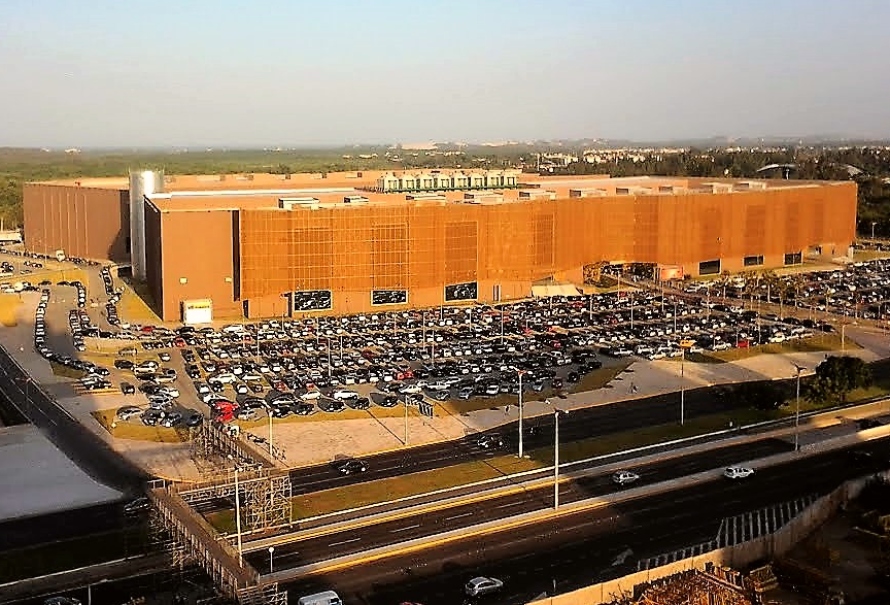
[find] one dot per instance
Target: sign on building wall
(198, 311)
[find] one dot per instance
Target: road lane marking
(509, 504)
(458, 516)
(393, 531)
(344, 542)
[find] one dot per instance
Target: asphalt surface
(580, 424)
(587, 547)
(456, 517)
(22, 533)
(89, 452)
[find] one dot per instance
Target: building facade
(345, 249)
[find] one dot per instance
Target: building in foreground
(273, 245)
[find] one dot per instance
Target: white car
(624, 477)
(310, 396)
(342, 394)
(482, 585)
(738, 472)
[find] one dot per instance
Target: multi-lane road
(584, 548)
(580, 424)
(464, 515)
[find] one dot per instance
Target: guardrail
(548, 472)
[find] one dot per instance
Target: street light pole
(271, 565)
(521, 372)
(238, 518)
(873, 223)
(269, 413)
(405, 401)
(682, 386)
(797, 412)
(556, 414)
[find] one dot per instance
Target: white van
(328, 597)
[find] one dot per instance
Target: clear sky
(129, 73)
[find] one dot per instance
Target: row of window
(323, 300)
(712, 267)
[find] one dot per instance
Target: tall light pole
(271, 565)
(520, 372)
(269, 413)
(238, 512)
(873, 223)
(556, 414)
(682, 386)
(405, 401)
(797, 410)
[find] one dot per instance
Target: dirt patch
(9, 309)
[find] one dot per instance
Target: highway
(580, 424)
(464, 515)
(585, 548)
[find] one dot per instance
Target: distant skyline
(202, 73)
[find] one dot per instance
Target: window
(465, 291)
(389, 297)
(793, 258)
(754, 261)
(311, 300)
(709, 267)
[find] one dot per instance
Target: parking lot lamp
(405, 401)
(269, 413)
(682, 386)
(271, 565)
(873, 223)
(520, 372)
(238, 511)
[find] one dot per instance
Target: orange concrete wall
(197, 261)
(84, 222)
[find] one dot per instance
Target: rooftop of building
(334, 192)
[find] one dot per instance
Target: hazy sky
(293, 72)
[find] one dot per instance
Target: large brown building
(268, 245)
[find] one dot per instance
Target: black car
(194, 419)
(390, 401)
(303, 409)
(123, 364)
(127, 388)
(352, 466)
(490, 442)
(573, 377)
(359, 403)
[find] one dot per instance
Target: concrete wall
(197, 261)
(738, 556)
(85, 222)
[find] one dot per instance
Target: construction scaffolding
(197, 539)
(264, 496)
(216, 445)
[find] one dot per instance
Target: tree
(837, 376)
(761, 395)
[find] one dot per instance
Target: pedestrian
(548, 402)
(633, 388)
(506, 410)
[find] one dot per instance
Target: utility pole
(797, 410)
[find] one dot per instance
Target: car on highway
(349, 467)
(61, 601)
(482, 585)
(738, 472)
(490, 442)
(625, 477)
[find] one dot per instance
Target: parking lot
(445, 362)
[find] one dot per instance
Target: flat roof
(333, 197)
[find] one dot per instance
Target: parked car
(737, 472)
